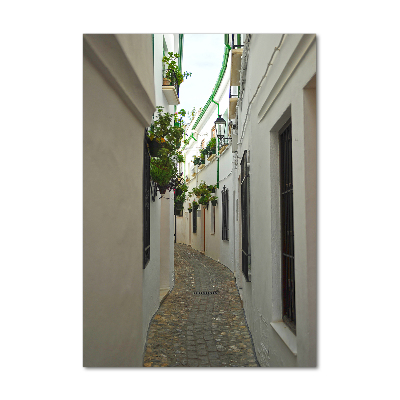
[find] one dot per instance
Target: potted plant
(204, 199)
(195, 205)
(214, 200)
(180, 195)
(212, 188)
(196, 191)
(162, 172)
(212, 146)
(202, 159)
(163, 169)
(172, 72)
(190, 208)
(162, 131)
(196, 160)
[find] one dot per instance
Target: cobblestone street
(201, 323)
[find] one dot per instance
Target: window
(146, 203)
(212, 224)
(287, 231)
(244, 186)
(225, 214)
(194, 212)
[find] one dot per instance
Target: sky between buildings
(202, 56)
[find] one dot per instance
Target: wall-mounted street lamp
(220, 128)
(219, 124)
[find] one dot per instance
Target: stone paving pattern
(200, 330)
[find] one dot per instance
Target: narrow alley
(201, 323)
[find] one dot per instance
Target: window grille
(225, 213)
(146, 203)
(212, 220)
(288, 278)
(194, 221)
(244, 185)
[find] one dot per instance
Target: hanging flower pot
(214, 202)
(166, 82)
(162, 189)
(154, 147)
(178, 206)
(190, 210)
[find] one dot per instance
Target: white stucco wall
(118, 100)
(288, 91)
(159, 273)
(292, 70)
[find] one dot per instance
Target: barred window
(287, 229)
(225, 213)
(194, 212)
(146, 203)
(244, 189)
(212, 225)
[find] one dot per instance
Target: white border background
(41, 202)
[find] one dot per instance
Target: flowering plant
(173, 72)
(163, 169)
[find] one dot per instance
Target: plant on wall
(172, 72)
(204, 193)
(211, 146)
(212, 188)
(180, 195)
(163, 169)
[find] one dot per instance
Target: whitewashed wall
(282, 95)
(159, 273)
(118, 101)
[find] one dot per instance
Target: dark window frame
(287, 227)
(194, 212)
(245, 214)
(146, 202)
(225, 213)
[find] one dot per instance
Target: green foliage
(173, 72)
(204, 199)
(180, 193)
(164, 131)
(196, 160)
(213, 198)
(163, 170)
(204, 191)
(212, 143)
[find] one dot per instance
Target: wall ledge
(288, 337)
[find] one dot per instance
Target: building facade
(265, 229)
(127, 229)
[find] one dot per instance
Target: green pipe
(212, 99)
(217, 85)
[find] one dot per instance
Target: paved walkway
(195, 329)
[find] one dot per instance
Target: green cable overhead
(217, 85)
